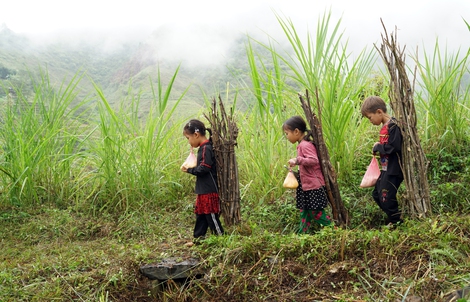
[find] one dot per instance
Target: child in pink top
(311, 194)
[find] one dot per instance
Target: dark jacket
(390, 148)
(205, 171)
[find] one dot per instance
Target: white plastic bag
(191, 160)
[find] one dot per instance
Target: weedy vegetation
(91, 191)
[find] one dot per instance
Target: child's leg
(386, 194)
(305, 221)
(320, 217)
(200, 229)
(214, 224)
(307, 216)
(377, 189)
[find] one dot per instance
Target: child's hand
(184, 169)
(292, 162)
(377, 143)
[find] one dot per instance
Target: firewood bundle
(224, 139)
(340, 214)
(416, 199)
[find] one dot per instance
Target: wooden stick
(340, 214)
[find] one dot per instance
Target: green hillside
(129, 68)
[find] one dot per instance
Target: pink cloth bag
(371, 175)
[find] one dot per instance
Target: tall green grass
(60, 151)
(263, 149)
(116, 157)
(134, 156)
(444, 99)
(322, 64)
(40, 142)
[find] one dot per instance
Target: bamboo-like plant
(263, 149)
(444, 98)
(277, 79)
(40, 142)
(323, 64)
(132, 156)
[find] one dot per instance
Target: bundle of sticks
(340, 214)
(414, 164)
(224, 139)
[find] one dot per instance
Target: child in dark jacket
(207, 206)
(389, 148)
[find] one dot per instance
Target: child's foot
(198, 240)
(394, 225)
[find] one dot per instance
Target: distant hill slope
(113, 70)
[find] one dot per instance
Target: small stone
(336, 267)
(170, 268)
(413, 299)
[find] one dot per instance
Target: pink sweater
(311, 175)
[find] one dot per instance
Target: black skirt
(312, 199)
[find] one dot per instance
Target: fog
(202, 31)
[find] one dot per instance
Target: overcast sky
(204, 23)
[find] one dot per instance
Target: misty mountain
(118, 68)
